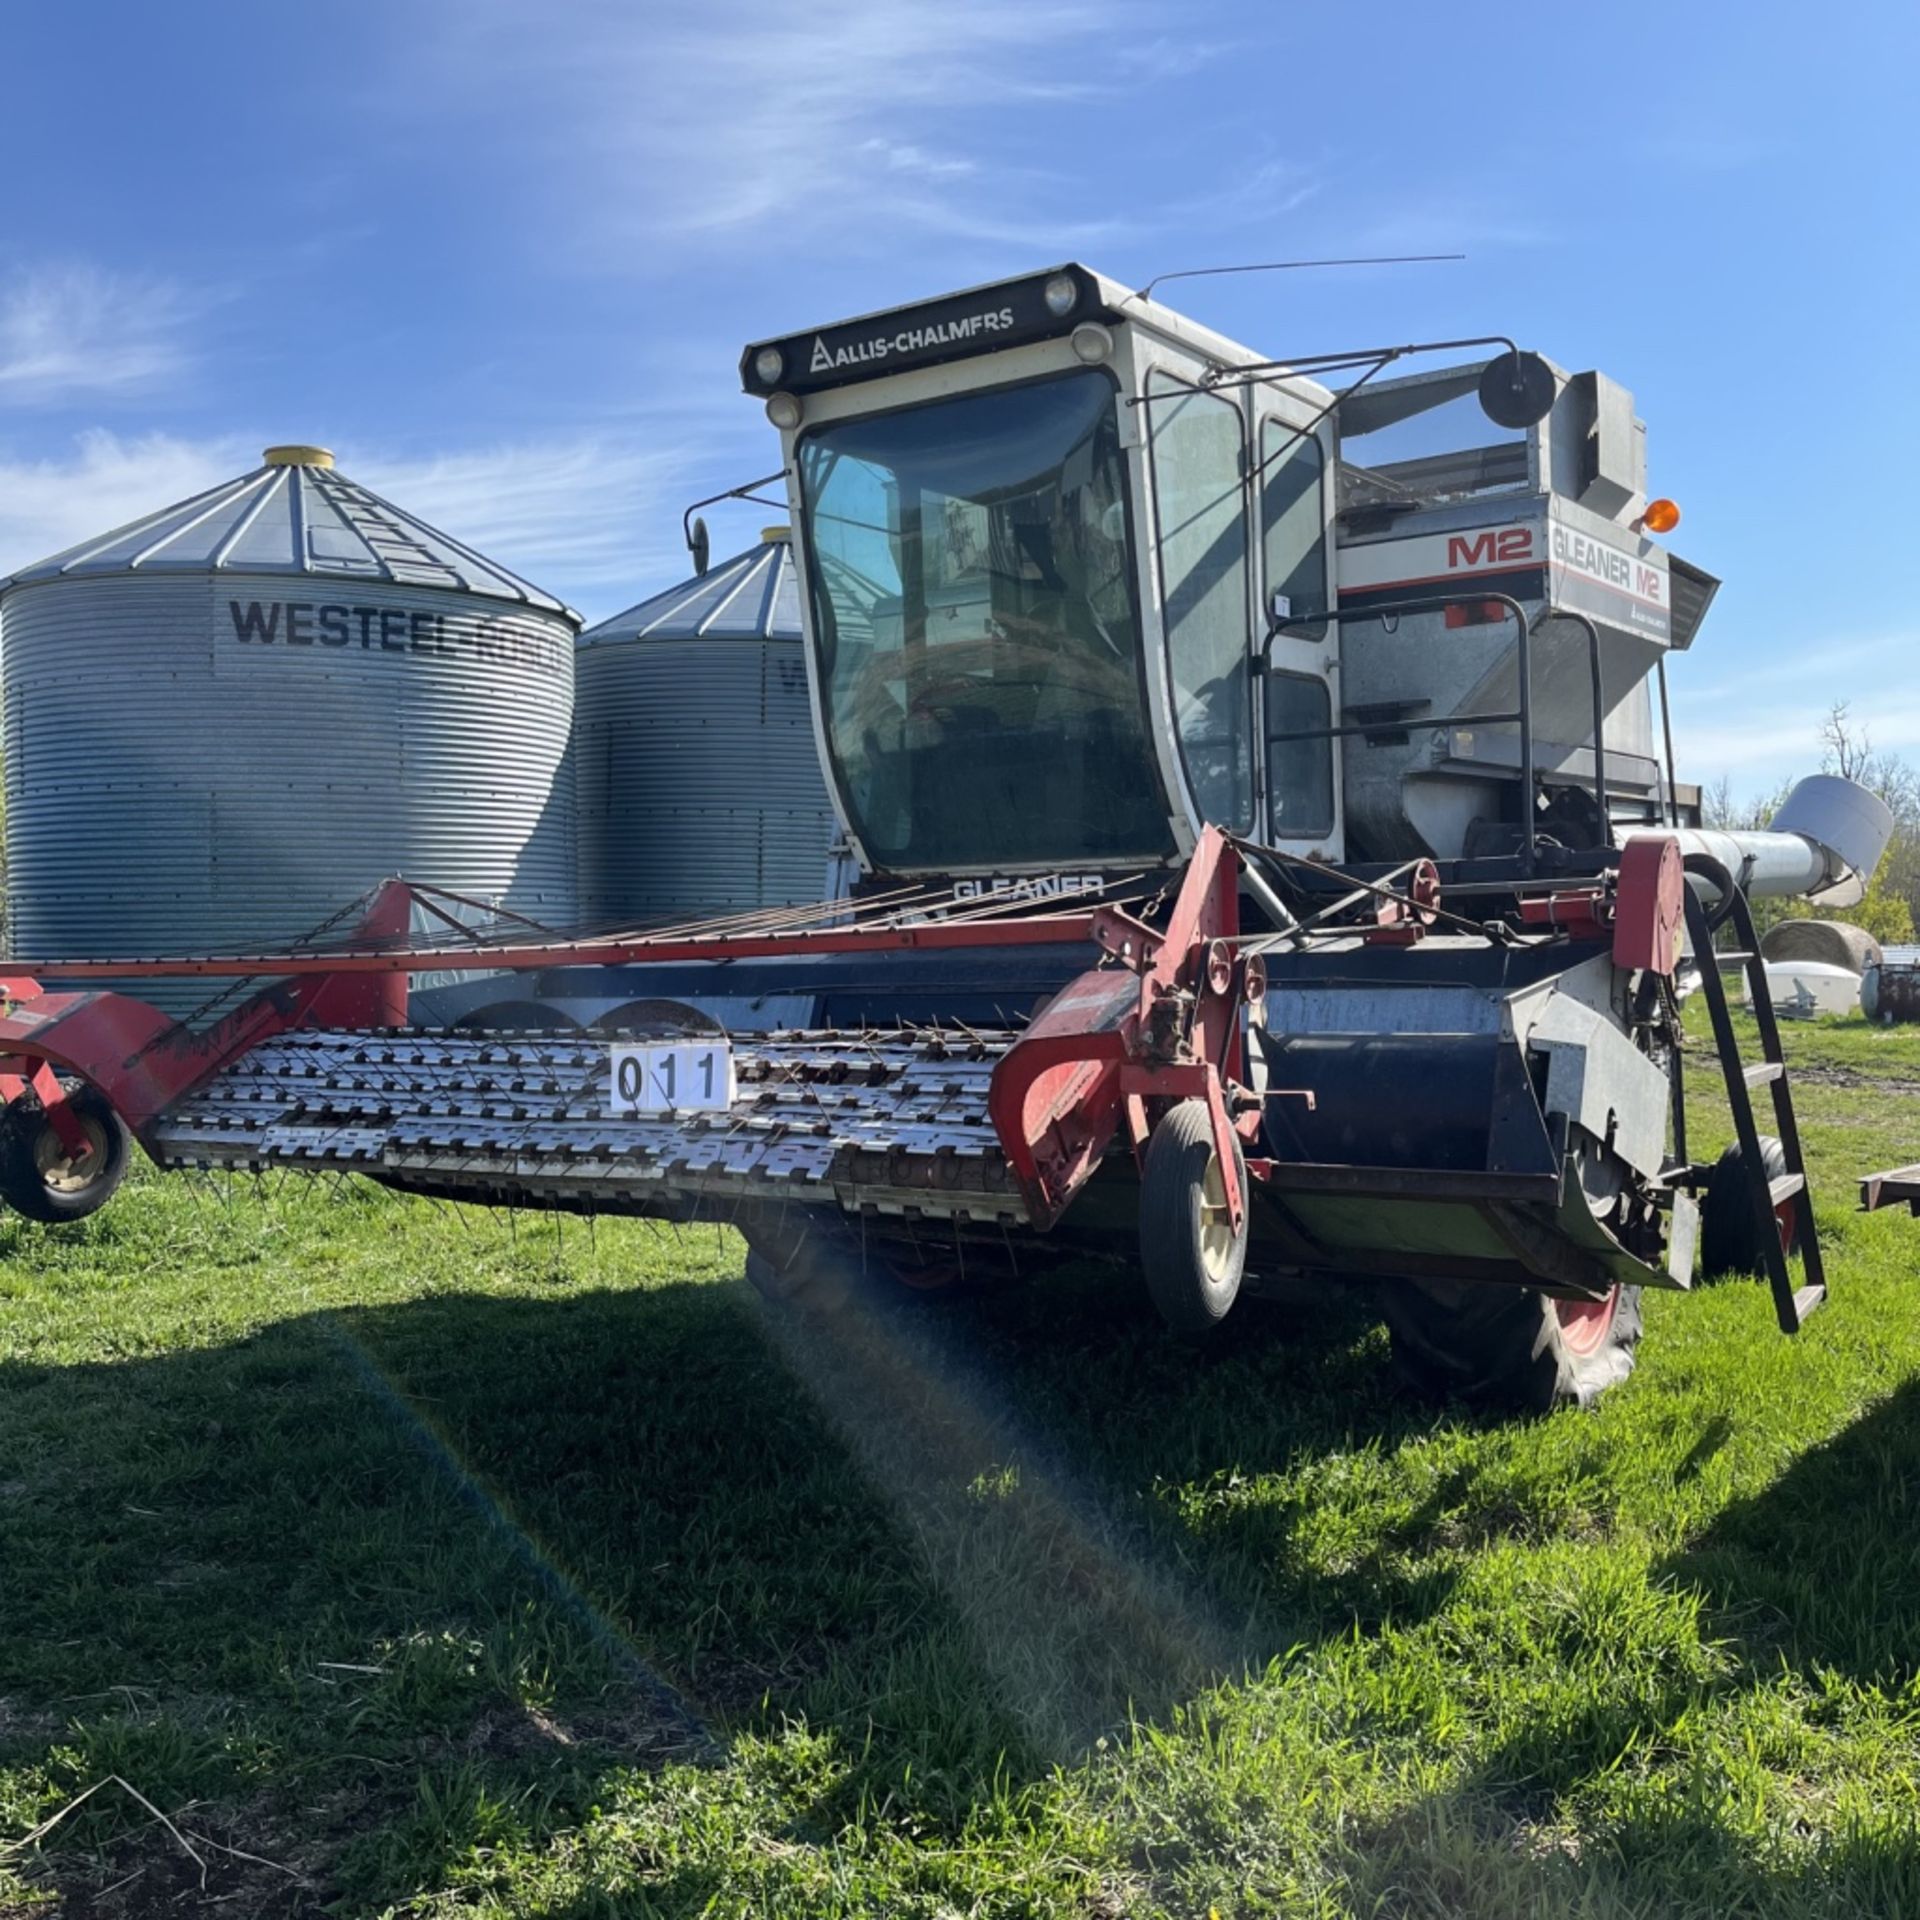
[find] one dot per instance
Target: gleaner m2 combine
(1265, 874)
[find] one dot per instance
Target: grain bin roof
(753, 596)
(293, 514)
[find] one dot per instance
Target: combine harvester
(1210, 916)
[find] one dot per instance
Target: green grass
(444, 1563)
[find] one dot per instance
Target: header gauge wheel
(1192, 1256)
(41, 1178)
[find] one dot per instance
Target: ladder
(1768, 1192)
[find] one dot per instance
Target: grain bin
(226, 720)
(700, 788)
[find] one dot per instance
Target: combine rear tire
(41, 1179)
(1510, 1346)
(1192, 1257)
(1729, 1234)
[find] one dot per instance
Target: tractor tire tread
(1498, 1344)
(1729, 1243)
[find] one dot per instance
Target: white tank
(1804, 989)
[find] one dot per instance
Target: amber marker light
(1661, 516)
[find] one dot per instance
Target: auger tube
(1824, 843)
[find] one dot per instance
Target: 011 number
(688, 1078)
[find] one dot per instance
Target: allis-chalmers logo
(908, 341)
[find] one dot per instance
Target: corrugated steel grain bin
(699, 784)
(227, 720)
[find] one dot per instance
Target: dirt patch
(1852, 1077)
(214, 1861)
(640, 1729)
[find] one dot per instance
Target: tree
(1846, 748)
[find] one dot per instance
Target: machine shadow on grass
(1822, 1568)
(377, 1589)
(370, 1585)
(1816, 1578)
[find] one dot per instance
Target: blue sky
(503, 258)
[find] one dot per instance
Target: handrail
(1522, 715)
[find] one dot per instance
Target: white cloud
(790, 123)
(599, 525)
(1461, 220)
(1757, 746)
(105, 482)
(592, 522)
(73, 331)
(1761, 723)
(1165, 59)
(903, 158)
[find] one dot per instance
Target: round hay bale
(1831, 943)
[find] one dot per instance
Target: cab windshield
(973, 604)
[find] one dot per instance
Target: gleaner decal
(1609, 567)
(943, 333)
(1028, 886)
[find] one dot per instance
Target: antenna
(1291, 266)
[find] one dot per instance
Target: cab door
(1299, 785)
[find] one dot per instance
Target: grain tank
(229, 717)
(699, 783)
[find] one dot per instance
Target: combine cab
(1266, 874)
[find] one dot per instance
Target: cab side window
(1198, 447)
(1293, 523)
(1299, 772)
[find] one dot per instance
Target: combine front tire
(807, 1263)
(1192, 1256)
(43, 1179)
(1729, 1234)
(1511, 1346)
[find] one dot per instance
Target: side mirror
(1517, 389)
(699, 545)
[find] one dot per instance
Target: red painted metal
(1580, 912)
(143, 1062)
(1055, 1097)
(59, 1111)
(1403, 921)
(1649, 904)
(23, 1074)
(1115, 1048)
(1039, 930)
(1585, 1324)
(1194, 1080)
